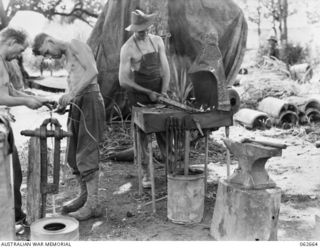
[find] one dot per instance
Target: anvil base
(245, 215)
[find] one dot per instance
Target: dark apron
(148, 76)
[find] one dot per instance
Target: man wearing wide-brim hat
(144, 72)
(273, 51)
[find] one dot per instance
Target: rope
(84, 120)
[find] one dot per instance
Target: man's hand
(164, 94)
(33, 103)
(61, 110)
(153, 96)
(65, 100)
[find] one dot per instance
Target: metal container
(275, 107)
(252, 119)
(58, 228)
(186, 196)
(281, 112)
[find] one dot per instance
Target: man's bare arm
(12, 101)
(87, 61)
(165, 66)
(8, 100)
(18, 93)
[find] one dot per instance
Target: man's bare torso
(145, 47)
(74, 67)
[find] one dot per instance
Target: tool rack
(153, 120)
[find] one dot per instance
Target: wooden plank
(7, 220)
(153, 120)
(34, 197)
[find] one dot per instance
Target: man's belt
(90, 88)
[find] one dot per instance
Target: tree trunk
(3, 17)
(283, 5)
(274, 18)
(259, 19)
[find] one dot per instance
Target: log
(245, 215)
(33, 181)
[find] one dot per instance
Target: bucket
(58, 228)
(186, 197)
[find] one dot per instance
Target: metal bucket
(186, 197)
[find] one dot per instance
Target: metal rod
(176, 144)
(151, 174)
(171, 137)
(167, 151)
(157, 200)
(227, 129)
(44, 175)
(186, 152)
(56, 165)
(53, 204)
(137, 142)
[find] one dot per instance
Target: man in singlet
(12, 44)
(86, 120)
(144, 72)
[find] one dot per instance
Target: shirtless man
(144, 72)
(12, 44)
(86, 120)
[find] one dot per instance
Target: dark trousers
(17, 173)
(139, 97)
(87, 128)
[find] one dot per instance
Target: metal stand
(43, 133)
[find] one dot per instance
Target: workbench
(152, 120)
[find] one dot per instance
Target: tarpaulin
(210, 34)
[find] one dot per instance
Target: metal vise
(251, 172)
(43, 133)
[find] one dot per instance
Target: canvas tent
(206, 36)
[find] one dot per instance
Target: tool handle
(27, 132)
(177, 104)
(266, 142)
(50, 104)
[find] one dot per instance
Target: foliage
(181, 85)
(85, 10)
(295, 53)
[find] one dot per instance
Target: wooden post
(34, 197)
(7, 220)
(205, 162)
(151, 174)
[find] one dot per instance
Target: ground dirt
(296, 172)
